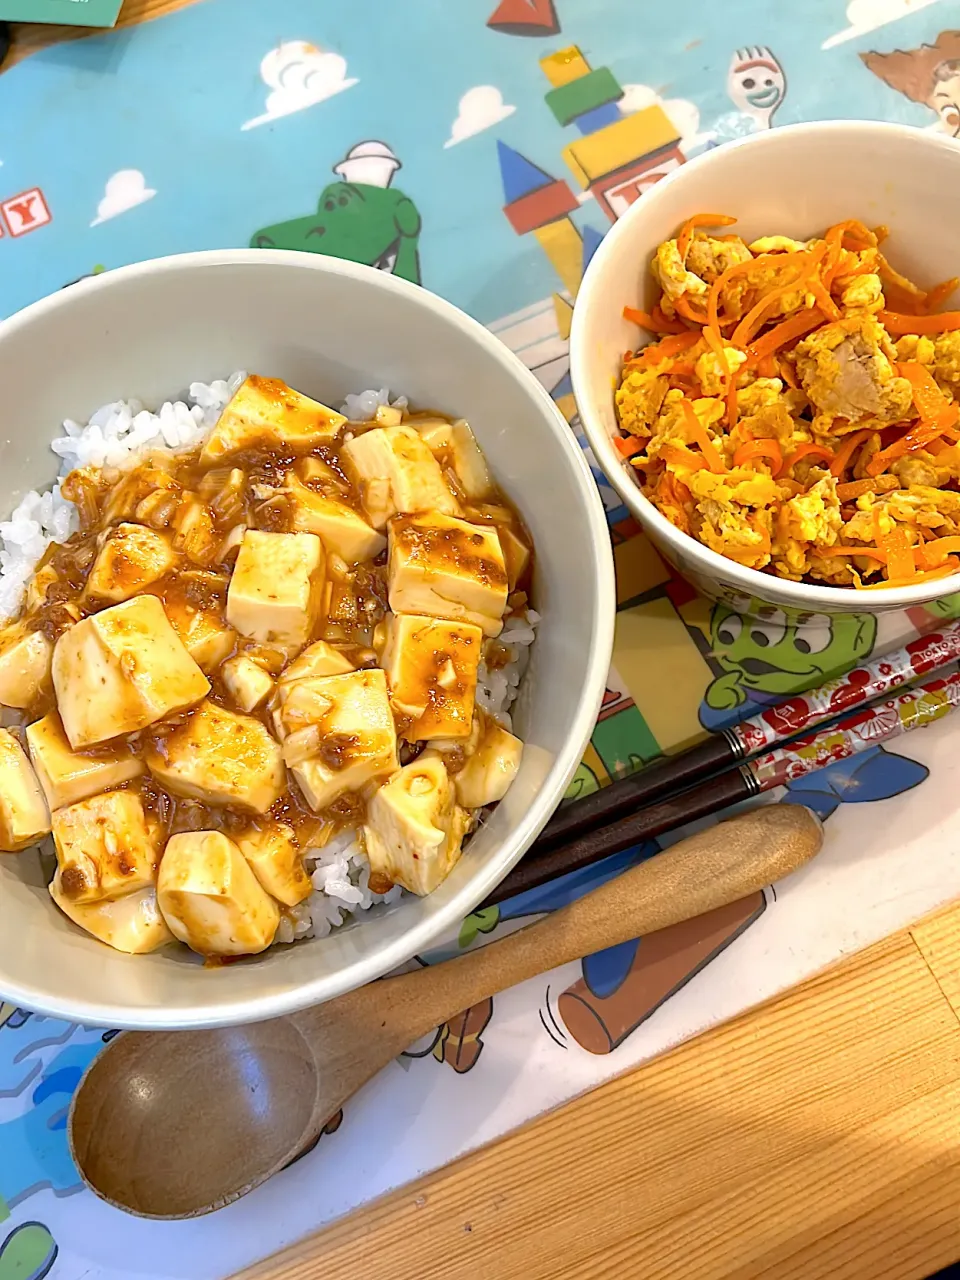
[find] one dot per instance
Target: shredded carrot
(678, 455)
(881, 233)
(899, 552)
(941, 292)
(699, 220)
(733, 408)
(689, 312)
(905, 296)
(671, 345)
(767, 367)
(713, 297)
(943, 322)
(932, 405)
(874, 553)
(788, 374)
(933, 553)
(627, 446)
(754, 320)
(822, 295)
(797, 325)
(642, 318)
(758, 527)
(664, 323)
(806, 451)
(700, 436)
(917, 437)
(854, 489)
(760, 449)
(862, 236)
(946, 571)
(851, 443)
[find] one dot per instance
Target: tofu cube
(220, 758)
(25, 660)
(131, 559)
(318, 659)
(267, 414)
(414, 829)
(431, 668)
(210, 898)
(68, 776)
(490, 769)
(203, 633)
(246, 682)
(104, 848)
(24, 818)
(516, 555)
(437, 435)
(277, 590)
(132, 923)
(338, 733)
(395, 472)
(343, 531)
(447, 568)
(275, 860)
(121, 670)
(469, 462)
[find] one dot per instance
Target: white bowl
(326, 327)
(794, 181)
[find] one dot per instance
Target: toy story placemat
(480, 149)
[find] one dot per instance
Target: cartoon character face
(378, 226)
(945, 98)
(756, 83)
(770, 652)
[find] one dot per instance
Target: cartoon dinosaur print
(362, 218)
(929, 75)
(763, 655)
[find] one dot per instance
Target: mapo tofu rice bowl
(257, 660)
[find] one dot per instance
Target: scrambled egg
(801, 449)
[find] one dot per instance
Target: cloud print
(299, 75)
(683, 114)
(124, 191)
(480, 108)
(865, 16)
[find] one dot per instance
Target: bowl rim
(721, 569)
(419, 938)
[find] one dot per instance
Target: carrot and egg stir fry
(798, 409)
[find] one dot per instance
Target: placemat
(492, 144)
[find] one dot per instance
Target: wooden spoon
(177, 1124)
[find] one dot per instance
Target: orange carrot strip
(862, 236)
(854, 489)
(733, 408)
(699, 220)
(767, 367)
(899, 552)
(760, 449)
(824, 301)
(628, 446)
(946, 571)
(916, 438)
(642, 318)
(671, 345)
(788, 374)
(678, 455)
(797, 325)
(713, 297)
(701, 437)
(943, 322)
(874, 553)
(689, 312)
(664, 323)
(932, 404)
(843, 455)
(941, 292)
(754, 320)
(933, 553)
(906, 297)
(806, 451)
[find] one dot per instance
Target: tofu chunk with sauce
(267, 414)
(395, 472)
(68, 776)
(447, 568)
(318, 659)
(25, 660)
(131, 559)
(277, 590)
(490, 768)
(210, 898)
(203, 633)
(431, 667)
(414, 828)
(104, 848)
(275, 860)
(24, 817)
(121, 670)
(342, 530)
(338, 733)
(220, 758)
(246, 682)
(469, 462)
(132, 923)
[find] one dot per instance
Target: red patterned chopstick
(868, 727)
(768, 729)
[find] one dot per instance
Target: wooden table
(818, 1136)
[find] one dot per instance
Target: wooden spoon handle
(715, 867)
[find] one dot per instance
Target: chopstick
(867, 727)
(726, 747)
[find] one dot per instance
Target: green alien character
(361, 218)
(763, 655)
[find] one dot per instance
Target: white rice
(118, 435)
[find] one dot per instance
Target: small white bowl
(326, 327)
(794, 181)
